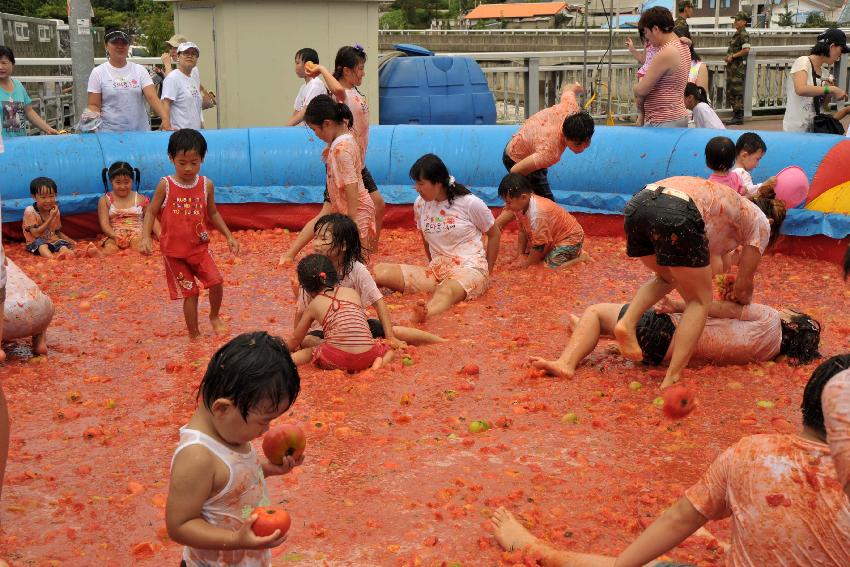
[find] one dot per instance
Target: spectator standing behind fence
(680, 27)
(698, 73)
(660, 93)
(736, 67)
(809, 85)
(15, 102)
(119, 88)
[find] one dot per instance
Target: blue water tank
(435, 90)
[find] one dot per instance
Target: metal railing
(696, 31)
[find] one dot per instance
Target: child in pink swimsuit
(121, 212)
(348, 342)
(720, 159)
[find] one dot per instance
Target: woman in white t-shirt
(119, 88)
(181, 91)
(452, 222)
(809, 85)
(696, 100)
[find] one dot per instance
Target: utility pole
(717, 14)
(82, 52)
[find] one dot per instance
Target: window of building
(723, 4)
(44, 33)
(22, 31)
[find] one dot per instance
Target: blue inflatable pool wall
(283, 165)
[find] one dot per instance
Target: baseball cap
(187, 45)
(742, 16)
(117, 35)
(176, 39)
(836, 36)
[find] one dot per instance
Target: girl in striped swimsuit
(348, 343)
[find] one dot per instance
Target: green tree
(786, 18)
(393, 20)
(817, 20)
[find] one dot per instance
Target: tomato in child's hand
(269, 520)
(679, 401)
(282, 441)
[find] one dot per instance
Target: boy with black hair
(183, 202)
(217, 478)
(780, 491)
(42, 222)
(749, 149)
(312, 87)
(835, 408)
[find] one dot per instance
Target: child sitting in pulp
(348, 342)
(548, 233)
(720, 159)
(42, 223)
(337, 238)
(749, 150)
(217, 478)
(121, 211)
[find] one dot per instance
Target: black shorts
(539, 179)
(654, 334)
(368, 182)
(374, 326)
(668, 227)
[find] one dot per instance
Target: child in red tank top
(184, 203)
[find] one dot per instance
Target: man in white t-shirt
(181, 90)
(311, 88)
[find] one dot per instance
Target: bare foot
(627, 342)
(510, 534)
(420, 312)
(194, 335)
(553, 367)
(219, 327)
(669, 381)
(2, 358)
(39, 344)
(378, 363)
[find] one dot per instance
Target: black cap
(117, 35)
(836, 36)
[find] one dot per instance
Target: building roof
(524, 10)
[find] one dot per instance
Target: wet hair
(578, 127)
(7, 52)
(41, 185)
(306, 54)
(513, 185)
(698, 93)
(720, 154)
(431, 168)
(249, 370)
(656, 16)
(187, 140)
(694, 55)
(323, 107)
(120, 169)
(348, 57)
(800, 338)
(750, 142)
(774, 209)
(812, 406)
(345, 240)
(316, 273)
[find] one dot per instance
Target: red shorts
(329, 357)
(181, 273)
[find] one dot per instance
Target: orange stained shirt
(730, 219)
(786, 505)
(542, 136)
(33, 219)
(835, 401)
(548, 224)
(344, 166)
(356, 102)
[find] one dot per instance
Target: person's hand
(292, 345)
(54, 212)
(396, 344)
(166, 59)
(666, 305)
(630, 44)
(837, 93)
(167, 127)
(289, 463)
(245, 538)
(742, 291)
(122, 242)
(767, 186)
(233, 244)
(285, 259)
(575, 87)
(312, 70)
(295, 286)
(51, 131)
(145, 245)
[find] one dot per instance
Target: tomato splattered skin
(588, 461)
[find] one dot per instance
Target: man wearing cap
(680, 26)
(181, 89)
(736, 67)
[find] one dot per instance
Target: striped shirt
(666, 101)
(345, 325)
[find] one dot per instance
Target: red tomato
(269, 520)
(284, 440)
(678, 402)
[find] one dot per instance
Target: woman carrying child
(121, 211)
(452, 222)
(348, 343)
(346, 193)
(337, 238)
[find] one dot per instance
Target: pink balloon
(792, 186)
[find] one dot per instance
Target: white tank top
(244, 491)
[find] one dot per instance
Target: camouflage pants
(735, 87)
